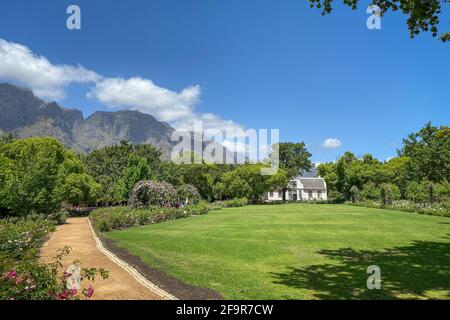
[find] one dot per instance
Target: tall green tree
(428, 151)
(106, 165)
(294, 158)
(35, 172)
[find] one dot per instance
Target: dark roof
(313, 183)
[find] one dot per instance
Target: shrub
(370, 191)
(22, 276)
(435, 209)
(20, 239)
(32, 280)
(59, 217)
(151, 193)
(188, 194)
(116, 218)
(240, 202)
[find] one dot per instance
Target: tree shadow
(406, 272)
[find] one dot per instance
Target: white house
(301, 188)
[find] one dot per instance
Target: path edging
(132, 271)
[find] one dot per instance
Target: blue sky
(261, 64)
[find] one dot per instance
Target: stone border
(132, 271)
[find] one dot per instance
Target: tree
(396, 171)
(107, 165)
(416, 192)
(422, 15)
(34, 173)
(370, 191)
(137, 169)
(428, 151)
(247, 181)
(294, 158)
(79, 188)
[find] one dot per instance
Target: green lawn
(301, 251)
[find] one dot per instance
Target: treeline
(37, 175)
(420, 173)
(119, 168)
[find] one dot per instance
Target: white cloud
(332, 143)
(177, 108)
(19, 64)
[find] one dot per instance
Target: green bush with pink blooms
(23, 276)
(152, 193)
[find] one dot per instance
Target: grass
(301, 251)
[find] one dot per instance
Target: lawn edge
(163, 284)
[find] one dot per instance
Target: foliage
(79, 188)
(153, 193)
(422, 160)
(247, 181)
(137, 169)
(22, 276)
(117, 218)
(354, 191)
(107, 166)
(232, 203)
(37, 174)
(434, 209)
(294, 158)
(422, 15)
(188, 194)
(428, 151)
(370, 192)
(417, 192)
(388, 193)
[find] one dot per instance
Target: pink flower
(73, 291)
(63, 295)
(89, 292)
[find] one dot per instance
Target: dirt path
(77, 234)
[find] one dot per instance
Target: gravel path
(120, 285)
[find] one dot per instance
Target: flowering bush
(22, 276)
(435, 209)
(239, 202)
(107, 219)
(188, 194)
(151, 193)
(21, 238)
(31, 280)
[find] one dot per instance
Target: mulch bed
(170, 284)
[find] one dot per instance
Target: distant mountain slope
(29, 116)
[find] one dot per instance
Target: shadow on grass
(406, 272)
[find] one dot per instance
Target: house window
(271, 194)
(294, 184)
(319, 194)
(310, 195)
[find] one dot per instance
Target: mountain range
(22, 113)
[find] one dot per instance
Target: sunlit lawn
(301, 251)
